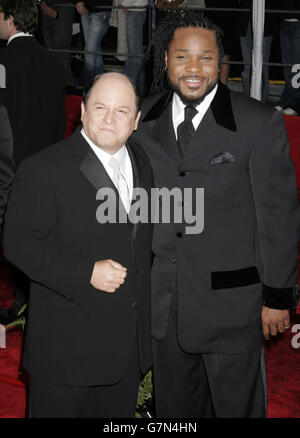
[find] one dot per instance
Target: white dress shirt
(123, 158)
(178, 109)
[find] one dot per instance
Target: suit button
(134, 305)
(174, 261)
(179, 235)
(182, 173)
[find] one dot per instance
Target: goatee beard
(188, 101)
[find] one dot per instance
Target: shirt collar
(19, 34)
(103, 156)
(178, 105)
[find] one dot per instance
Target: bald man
(88, 337)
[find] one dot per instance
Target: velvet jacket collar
(221, 107)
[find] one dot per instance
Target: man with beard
(218, 292)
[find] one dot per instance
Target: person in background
(34, 96)
(95, 22)
(244, 30)
(289, 103)
(225, 20)
(7, 168)
(134, 66)
(57, 33)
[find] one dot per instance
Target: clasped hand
(274, 321)
(108, 275)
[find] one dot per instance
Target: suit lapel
(158, 119)
(137, 163)
(94, 171)
(208, 137)
(164, 132)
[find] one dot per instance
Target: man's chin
(190, 99)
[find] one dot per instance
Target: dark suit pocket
(236, 278)
(225, 167)
(221, 177)
(64, 307)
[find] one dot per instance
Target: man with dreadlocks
(217, 293)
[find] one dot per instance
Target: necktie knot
(189, 112)
(114, 164)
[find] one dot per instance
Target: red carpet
(282, 357)
(12, 389)
(283, 368)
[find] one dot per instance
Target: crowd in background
(99, 26)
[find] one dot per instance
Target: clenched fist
(108, 275)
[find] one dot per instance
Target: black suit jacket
(6, 160)
(76, 334)
(34, 96)
(246, 254)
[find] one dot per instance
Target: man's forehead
(195, 32)
(112, 85)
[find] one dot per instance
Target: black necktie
(186, 129)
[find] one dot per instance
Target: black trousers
(188, 385)
(49, 400)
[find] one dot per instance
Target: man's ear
(82, 110)
(11, 22)
(136, 122)
(166, 60)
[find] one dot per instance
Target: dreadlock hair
(163, 36)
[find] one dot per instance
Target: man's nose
(194, 65)
(109, 116)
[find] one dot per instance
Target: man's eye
(206, 58)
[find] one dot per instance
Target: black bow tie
(186, 129)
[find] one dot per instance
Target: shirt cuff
(280, 298)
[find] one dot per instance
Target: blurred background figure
(95, 22)
(135, 18)
(225, 21)
(7, 167)
(34, 96)
(289, 103)
(244, 30)
(57, 32)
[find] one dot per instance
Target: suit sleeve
(6, 160)
(277, 211)
(29, 240)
